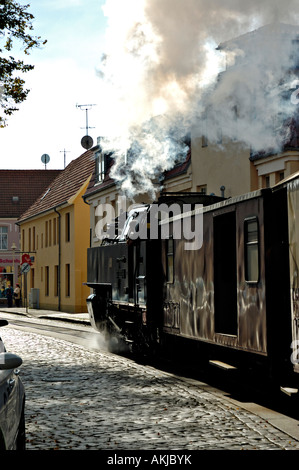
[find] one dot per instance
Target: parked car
(12, 401)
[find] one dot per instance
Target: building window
(251, 234)
(67, 227)
(54, 230)
(204, 141)
(23, 240)
(33, 238)
(266, 181)
(279, 176)
(204, 138)
(56, 280)
(50, 232)
(219, 136)
(32, 278)
(46, 234)
(67, 280)
(235, 116)
(100, 167)
(46, 280)
(202, 189)
(170, 260)
(3, 238)
(58, 229)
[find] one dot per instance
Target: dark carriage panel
(108, 264)
(210, 299)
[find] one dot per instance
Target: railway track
(77, 334)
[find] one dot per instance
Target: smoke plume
(162, 78)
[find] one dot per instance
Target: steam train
(233, 300)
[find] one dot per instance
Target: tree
(15, 24)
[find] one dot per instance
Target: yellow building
(55, 231)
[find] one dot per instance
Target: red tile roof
(290, 135)
(20, 188)
(65, 185)
(180, 168)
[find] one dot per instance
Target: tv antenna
(86, 141)
(64, 151)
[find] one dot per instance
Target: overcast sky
(49, 122)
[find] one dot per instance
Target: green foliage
(15, 25)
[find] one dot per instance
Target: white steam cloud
(160, 79)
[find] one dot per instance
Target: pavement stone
(83, 400)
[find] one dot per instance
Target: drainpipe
(59, 258)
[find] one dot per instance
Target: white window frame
(100, 167)
(3, 236)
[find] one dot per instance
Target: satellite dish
(45, 158)
(86, 142)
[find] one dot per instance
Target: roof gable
(65, 186)
(20, 188)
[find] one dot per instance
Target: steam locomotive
(232, 299)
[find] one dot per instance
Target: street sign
(25, 268)
(26, 259)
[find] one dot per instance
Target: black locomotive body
(231, 298)
(125, 277)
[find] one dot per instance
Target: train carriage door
(225, 274)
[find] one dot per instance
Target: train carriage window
(170, 260)
(251, 234)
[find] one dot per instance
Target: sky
(65, 75)
(149, 68)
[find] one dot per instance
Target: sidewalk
(54, 315)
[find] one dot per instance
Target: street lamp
(13, 248)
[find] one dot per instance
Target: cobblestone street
(78, 399)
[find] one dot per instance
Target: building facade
(19, 189)
(55, 229)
